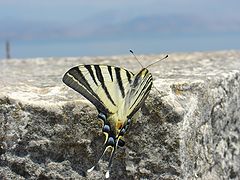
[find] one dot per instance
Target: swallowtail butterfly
(116, 93)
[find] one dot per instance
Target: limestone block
(189, 127)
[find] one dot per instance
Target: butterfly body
(117, 94)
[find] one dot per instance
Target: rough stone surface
(189, 128)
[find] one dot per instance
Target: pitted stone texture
(188, 129)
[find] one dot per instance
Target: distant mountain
(93, 28)
(28, 30)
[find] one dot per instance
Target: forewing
(104, 86)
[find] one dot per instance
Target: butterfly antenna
(136, 58)
(92, 168)
(157, 61)
(153, 64)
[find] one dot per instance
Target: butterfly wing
(104, 86)
(115, 92)
(137, 93)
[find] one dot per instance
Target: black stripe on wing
(129, 76)
(119, 80)
(140, 89)
(110, 72)
(76, 80)
(101, 80)
(140, 103)
(145, 90)
(89, 68)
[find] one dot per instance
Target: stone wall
(189, 127)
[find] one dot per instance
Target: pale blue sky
(62, 11)
(77, 27)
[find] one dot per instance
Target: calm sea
(78, 47)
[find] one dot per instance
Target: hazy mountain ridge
(89, 29)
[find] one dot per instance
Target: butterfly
(116, 93)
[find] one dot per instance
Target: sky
(59, 28)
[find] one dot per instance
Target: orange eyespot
(119, 125)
